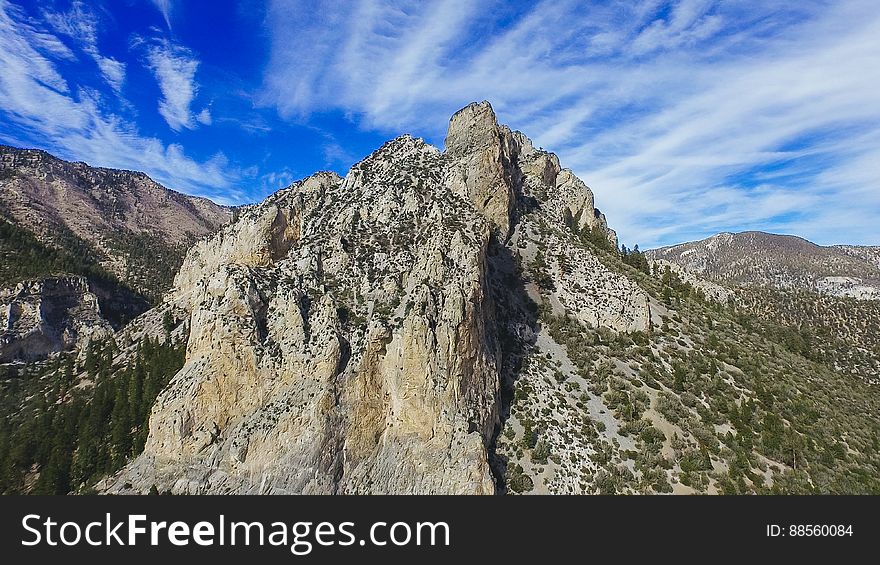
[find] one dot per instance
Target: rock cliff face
(48, 315)
(345, 333)
(484, 170)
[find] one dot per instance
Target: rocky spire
(490, 165)
(485, 156)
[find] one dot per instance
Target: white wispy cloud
(175, 70)
(276, 180)
(113, 72)
(688, 24)
(204, 117)
(73, 122)
(686, 117)
(165, 7)
(80, 24)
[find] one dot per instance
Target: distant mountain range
(785, 262)
(125, 222)
(823, 301)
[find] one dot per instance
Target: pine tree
(679, 375)
(67, 374)
(167, 324)
(86, 455)
(71, 436)
(5, 473)
(91, 362)
(55, 469)
(135, 392)
(120, 424)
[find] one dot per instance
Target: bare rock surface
(40, 317)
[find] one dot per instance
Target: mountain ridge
(109, 211)
(396, 344)
(823, 300)
(112, 234)
(754, 258)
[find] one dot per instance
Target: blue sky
(686, 118)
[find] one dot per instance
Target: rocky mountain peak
(499, 169)
(347, 328)
(473, 127)
(455, 321)
(133, 227)
(484, 169)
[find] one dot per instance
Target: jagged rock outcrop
(343, 333)
(579, 210)
(547, 237)
(339, 342)
(483, 154)
(48, 315)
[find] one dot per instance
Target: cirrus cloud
(686, 117)
(74, 121)
(175, 70)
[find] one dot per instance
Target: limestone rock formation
(48, 315)
(483, 170)
(344, 334)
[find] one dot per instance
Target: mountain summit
(84, 249)
(825, 301)
(128, 224)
